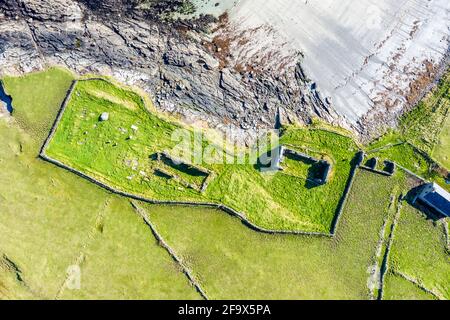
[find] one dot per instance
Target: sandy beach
(362, 54)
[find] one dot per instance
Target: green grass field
(421, 143)
(119, 156)
(423, 125)
(38, 98)
(420, 251)
(441, 150)
(136, 267)
(398, 288)
(49, 217)
(228, 259)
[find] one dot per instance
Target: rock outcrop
(372, 60)
(189, 67)
(174, 61)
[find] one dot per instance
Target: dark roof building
(435, 197)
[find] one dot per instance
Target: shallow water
(6, 99)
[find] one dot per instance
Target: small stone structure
(389, 167)
(323, 166)
(324, 172)
(371, 165)
(165, 157)
(300, 156)
(359, 158)
(104, 116)
(277, 155)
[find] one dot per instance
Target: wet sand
(361, 53)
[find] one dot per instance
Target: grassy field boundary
(406, 170)
(387, 146)
(171, 252)
(375, 279)
(447, 234)
(384, 268)
(58, 117)
(423, 153)
(219, 206)
(418, 284)
(383, 173)
(344, 197)
(411, 173)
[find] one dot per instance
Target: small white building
(435, 197)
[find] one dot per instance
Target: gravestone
(104, 116)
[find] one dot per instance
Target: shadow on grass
(315, 174)
(266, 161)
(185, 168)
(181, 167)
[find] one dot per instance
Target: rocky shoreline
(189, 67)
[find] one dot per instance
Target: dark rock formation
(137, 43)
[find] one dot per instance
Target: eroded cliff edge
(189, 67)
